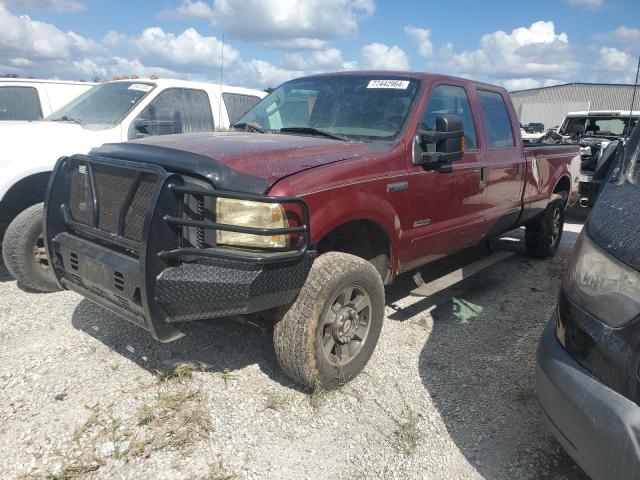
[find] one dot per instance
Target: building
(549, 105)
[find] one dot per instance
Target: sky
(517, 44)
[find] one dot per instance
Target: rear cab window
(19, 103)
(496, 119)
(450, 100)
(238, 104)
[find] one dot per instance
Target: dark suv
(589, 355)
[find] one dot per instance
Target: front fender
(333, 208)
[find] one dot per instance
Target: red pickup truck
(329, 188)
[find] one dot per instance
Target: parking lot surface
(449, 392)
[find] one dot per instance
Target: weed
(407, 434)
(276, 401)
(74, 471)
(92, 421)
(181, 373)
(227, 376)
(217, 472)
(317, 396)
(146, 415)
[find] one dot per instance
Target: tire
(543, 235)
(321, 314)
(21, 240)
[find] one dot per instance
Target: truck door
(447, 208)
(175, 110)
(505, 163)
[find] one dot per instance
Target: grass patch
(407, 435)
(71, 472)
(182, 373)
(178, 419)
(218, 473)
(317, 396)
(277, 401)
(227, 376)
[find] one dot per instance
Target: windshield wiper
(249, 127)
(66, 118)
(313, 131)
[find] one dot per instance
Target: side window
(496, 119)
(175, 110)
(238, 104)
(19, 103)
(450, 100)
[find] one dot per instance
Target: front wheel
(24, 254)
(328, 335)
(542, 236)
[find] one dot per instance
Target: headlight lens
(245, 213)
(602, 285)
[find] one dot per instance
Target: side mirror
(167, 121)
(440, 148)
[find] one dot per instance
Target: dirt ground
(449, 392)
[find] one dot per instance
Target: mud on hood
(247, 162)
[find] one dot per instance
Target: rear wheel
(328, 335)
(542, 236)
(24, 253)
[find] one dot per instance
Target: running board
(450, 279)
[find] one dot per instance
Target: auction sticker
(140, 87)
(399, 84)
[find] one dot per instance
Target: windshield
(362, 108)
(601, 125)
(104, 106)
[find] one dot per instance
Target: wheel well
(28, 191)
(362, 238)
(563, 185)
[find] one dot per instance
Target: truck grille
(118, 191)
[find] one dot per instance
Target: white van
(110, 112)
(29, 99)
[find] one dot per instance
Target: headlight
(245, 213)
(602, 285)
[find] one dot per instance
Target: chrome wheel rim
(346, 326)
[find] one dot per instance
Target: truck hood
(250, 162)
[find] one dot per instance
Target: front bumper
(598, 427)
(147, 275)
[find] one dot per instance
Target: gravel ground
(449, 392)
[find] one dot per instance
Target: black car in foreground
(588, 373)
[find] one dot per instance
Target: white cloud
(625, 34)
(378, 56)
(319, 61)
(297, 44)
(52, 5)
(422, 37)
(189, 10)
(527, 83)
(590, 4)
(21, 36)
(614, 60)
(536, 52)
(274, 21)
(188, 49)
(267, 75)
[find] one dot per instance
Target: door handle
(482, 171)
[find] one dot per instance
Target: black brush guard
(125, 250)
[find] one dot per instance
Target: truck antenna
(221, 69)
(628, 128)
(633, 101)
